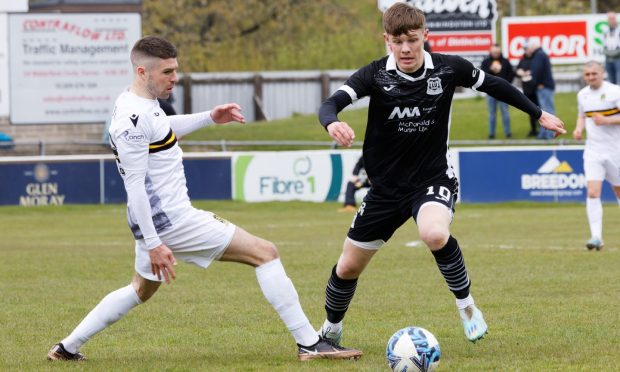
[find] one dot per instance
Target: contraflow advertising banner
(292, 175)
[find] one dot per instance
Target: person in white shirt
(599, 115)
(165, 225)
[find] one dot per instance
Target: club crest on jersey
(433, 87)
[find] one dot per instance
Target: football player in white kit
(164, 223)
(599, 116)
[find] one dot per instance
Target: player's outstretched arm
(552, 123)
(342, 133)
(226, 113)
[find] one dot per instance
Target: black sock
(452, 266)
(338, 296)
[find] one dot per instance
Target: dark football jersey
(406, 142)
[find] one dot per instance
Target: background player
(599, 115)
(160, 215)
(406, 157)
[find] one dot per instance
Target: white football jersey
(605, 101)
(149, 160)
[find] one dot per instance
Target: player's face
(161, 77)
(593, 76)
(408, 49)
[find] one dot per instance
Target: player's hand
(226, 113)
(341, 132)
(552, 123)
(578, 134)
(162, 262)
(599, 119)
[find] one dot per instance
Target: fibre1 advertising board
(292, 175)
(546, 175)
(567, 39)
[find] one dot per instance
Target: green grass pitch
(550, 304)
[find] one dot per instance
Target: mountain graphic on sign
(554, 165)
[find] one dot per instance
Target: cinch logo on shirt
(133, 137)
(407, 112)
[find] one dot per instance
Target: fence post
(325, 80)
(187, 94)
(258, 98)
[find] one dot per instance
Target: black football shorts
(379, 215)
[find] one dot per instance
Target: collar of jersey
(390, 66)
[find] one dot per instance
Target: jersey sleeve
(185, 124)
(355, 87)
(132, 149)
(359, 84)
(580, 111)
(469, 76)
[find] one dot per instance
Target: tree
(234, 35)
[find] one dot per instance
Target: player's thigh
(612, 170)
(249, 249)
(199, 239)
(376, 220)
(433, 209)
(594, 168)
(433, 222)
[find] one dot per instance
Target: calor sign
(566, 39)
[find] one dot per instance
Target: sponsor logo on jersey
(133, 137)
(406, 112)
(433, 87)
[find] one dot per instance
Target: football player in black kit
(406, 157)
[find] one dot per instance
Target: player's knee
(267, 252)
(434, 238)
(348, 271)
(594, 194)
(145, 290)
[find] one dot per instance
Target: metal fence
(279, 95)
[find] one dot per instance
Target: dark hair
(152, 46)
(401, 18)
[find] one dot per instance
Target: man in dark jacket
(495, 64)
(528, 85)
(542, 76)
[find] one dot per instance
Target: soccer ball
(413, 349)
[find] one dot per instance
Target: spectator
(358, 179)
(542, 78)
(495, 64)
(611, 48)
(529, 88)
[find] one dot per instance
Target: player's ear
(386, 38)
(425, 34)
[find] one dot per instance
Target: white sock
(594, 209)
(281, 294)
(111, 308)
(333, 327)
(618, 200)
(463, 303)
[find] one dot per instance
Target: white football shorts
(599, 167)
(199, 238)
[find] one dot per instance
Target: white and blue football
(413, 349)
